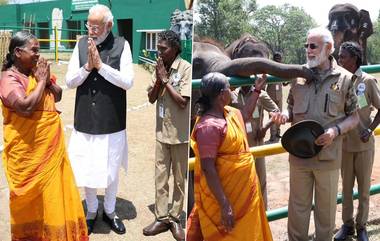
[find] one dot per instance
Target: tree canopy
(224, 20)
(373, 45)
(283, 29)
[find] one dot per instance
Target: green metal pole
(369, 69)
(238, 81)
(280, 213)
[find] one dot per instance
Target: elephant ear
(365, 25)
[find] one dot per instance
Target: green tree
(3, 2)
(223, 20)
(284, 29)
(373, 44)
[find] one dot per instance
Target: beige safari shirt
(368, 93)
(328, 101)
(264, 102)
(172, 122)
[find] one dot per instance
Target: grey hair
(19, 40)
(108, 17)
(325, 34)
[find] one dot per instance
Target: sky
(319, 9)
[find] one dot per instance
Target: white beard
(317, 60)
(102, 37)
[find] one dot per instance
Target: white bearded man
(331, 101)
(101, 70)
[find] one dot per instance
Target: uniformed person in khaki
(170, 90)
(358, 144)
(331, 101)
(254, 127)
(275, 93)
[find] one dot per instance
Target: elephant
(208, 57)
(347, 23)
(247, 46)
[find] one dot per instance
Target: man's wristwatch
(165, 81)
(369, 130)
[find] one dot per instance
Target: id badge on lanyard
(161, 110)
(256, 113)
(248, 127)
(362, 100)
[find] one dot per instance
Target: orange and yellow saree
(236, 170)
(44, 201)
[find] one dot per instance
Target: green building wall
(129, 16)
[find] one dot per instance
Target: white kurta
(96, 159)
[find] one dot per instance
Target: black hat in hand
(299, 139)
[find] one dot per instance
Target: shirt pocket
(301, 99)
(334, 104)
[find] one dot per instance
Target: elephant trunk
(249, 66)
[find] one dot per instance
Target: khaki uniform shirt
(368, 93)
(252, 126)
(172, 122)
(328, 101)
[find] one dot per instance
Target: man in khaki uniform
(254, 127)
(275, 92)
(358, 144)
(331, 101)
(171, 89)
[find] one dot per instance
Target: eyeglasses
(311, 46)
(94, 28)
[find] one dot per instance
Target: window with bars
(151, 41)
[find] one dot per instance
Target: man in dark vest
(101, 70)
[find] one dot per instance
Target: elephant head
(347, 23)
(247, 46)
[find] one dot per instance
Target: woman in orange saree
(44, 202)
(228, 202)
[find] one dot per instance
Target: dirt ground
(136, 190)
(278, 192)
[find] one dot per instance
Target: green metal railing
(280, 213)
(238, 81)
(53, 30)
